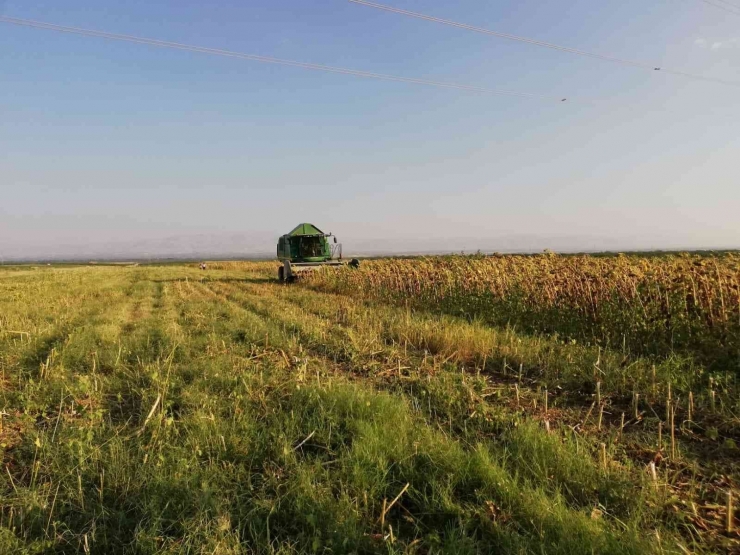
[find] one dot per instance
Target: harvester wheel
(281, 274)
(354, 263)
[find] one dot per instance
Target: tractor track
(287, 329)
(322, 337)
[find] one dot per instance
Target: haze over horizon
(124, 150)
(261, 245)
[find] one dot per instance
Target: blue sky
(107, 142)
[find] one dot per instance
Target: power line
(727, 2)
(543, 44)
(268, 59)
(722, 5)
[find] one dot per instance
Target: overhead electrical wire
(634, 63)
(722, 5)
(268, 59)
(727, 2)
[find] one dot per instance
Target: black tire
(281, 273)
(354, 263)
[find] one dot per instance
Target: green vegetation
(164, 409)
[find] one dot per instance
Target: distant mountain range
(262, 245)
(176, 247)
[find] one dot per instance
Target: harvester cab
(307, 248)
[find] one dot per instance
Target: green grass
(169, 410)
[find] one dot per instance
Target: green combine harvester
(307, 248)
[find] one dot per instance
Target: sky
(127, 149)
